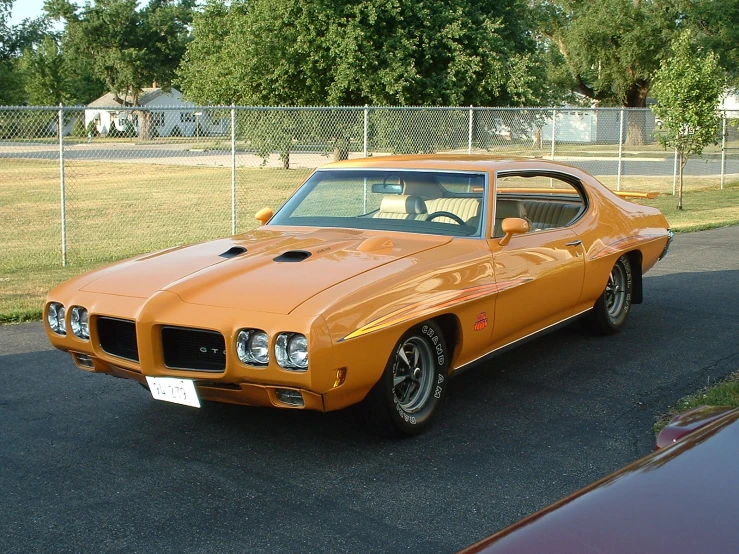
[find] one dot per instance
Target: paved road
(180, 155)
(90, 463)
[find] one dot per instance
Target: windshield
(428, 202)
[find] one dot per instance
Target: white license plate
(169, 389)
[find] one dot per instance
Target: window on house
(157, 119)
(187, 117)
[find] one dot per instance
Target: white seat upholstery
(547, 215)
(465, 208)
(401, 206)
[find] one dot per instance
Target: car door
(539, 274)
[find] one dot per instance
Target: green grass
(723, 393)
(117, 210)
(114, 211)
(703, 208)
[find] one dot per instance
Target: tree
(44, 73)
(688, 84)
(715, 25)
(611, 48)
(408, 52)
(13, 40)
(127, 47)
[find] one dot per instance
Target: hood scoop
(233, 252)
(293, 256)
(373, 244)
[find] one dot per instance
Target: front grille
(195, 349)
(118, 337)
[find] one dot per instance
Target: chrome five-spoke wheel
(412, 386)
(609, 312)
(616, 290)
(413, 374)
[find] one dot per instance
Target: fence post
(233, 170)
(723, 149)
(554, 130)
(469, 134)
(674, 174)
(620, 147)
(60, 131)
(366, 129)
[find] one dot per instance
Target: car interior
(543, 201)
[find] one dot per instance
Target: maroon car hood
(684, 498)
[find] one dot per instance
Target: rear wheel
(610, 311)
(410, 391)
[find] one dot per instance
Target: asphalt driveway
(90, 463)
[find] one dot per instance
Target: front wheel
(412, 386)
(610, 311)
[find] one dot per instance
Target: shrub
(92, 129)
(78, 130)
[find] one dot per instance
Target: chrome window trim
(544, 172)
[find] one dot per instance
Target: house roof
(146, 96)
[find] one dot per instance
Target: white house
(730, 103)
(168, 114)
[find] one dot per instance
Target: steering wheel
(458, 220)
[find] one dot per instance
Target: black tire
(408, 395)
(613, 306)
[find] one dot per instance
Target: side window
(543, 199)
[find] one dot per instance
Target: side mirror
(513, 226)
(264, 215)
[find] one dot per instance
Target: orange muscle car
(375, 282)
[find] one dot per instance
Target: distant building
(730, 103)
(175, 116)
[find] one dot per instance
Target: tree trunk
(144, 118)
(683, 161)
(341, 149)
(636, 97)
(537, 142)
(285, 157)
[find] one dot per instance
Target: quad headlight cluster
(252, 347)
(55, 318)
(291, 349)
(78, 320)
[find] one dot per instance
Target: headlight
(79, 322)
(252, 347)
(55, 318)
(291, 351)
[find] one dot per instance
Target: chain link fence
(82, 186)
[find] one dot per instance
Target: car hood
(266, 270)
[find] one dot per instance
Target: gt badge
(482, 321)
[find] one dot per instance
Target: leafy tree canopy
(407, 52)
(13, 40)
(610, 47)
(125, 46)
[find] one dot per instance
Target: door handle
(574, 243)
